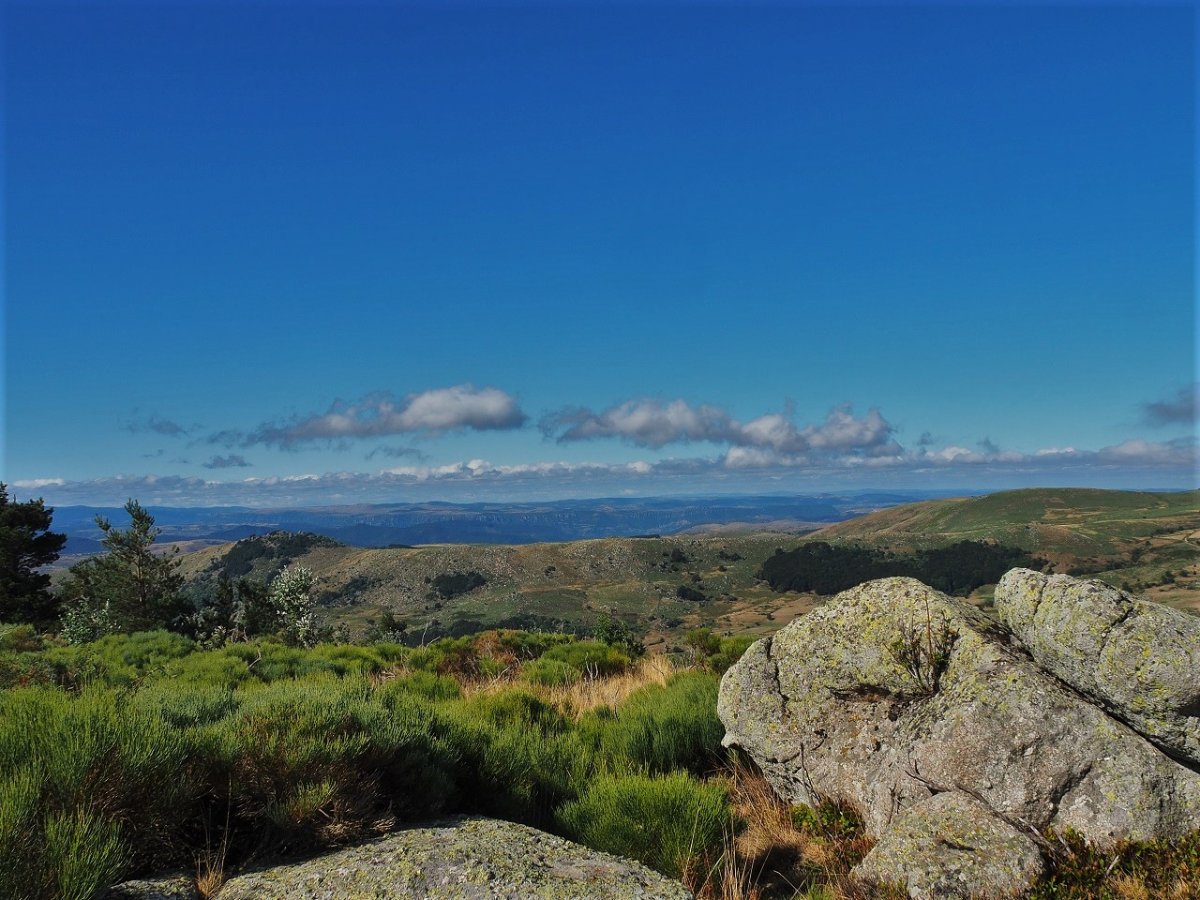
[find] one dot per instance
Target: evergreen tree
(139, 589)
(26, 544)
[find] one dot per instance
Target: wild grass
(665, 821)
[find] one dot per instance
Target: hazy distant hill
(498, 523)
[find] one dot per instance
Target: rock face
(170, 887)
(460, 859)
(951, 845)
(894, 694)
(1139, 660)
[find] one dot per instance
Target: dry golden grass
(772, 857)
(587, 693)
(210, 875)
(1133, 887)
(590, 693)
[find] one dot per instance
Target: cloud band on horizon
(1175, 459)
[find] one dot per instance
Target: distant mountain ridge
(384, 525)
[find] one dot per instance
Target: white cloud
(645, 422)
(431, 412)
(654, 424)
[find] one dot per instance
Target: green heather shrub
(337, 733)
(662, 729)
(186, 704)
(140, 750)
(663, 820)
(729, 652)
(19, 639)
(77, 767)
(528, 645)
(514, 707)
(24, 669)
(21, 844)
(118, 659)
(216, 667)
(550, 673)
(570, 662)
(427, 685)
(84, 853)
(714, 652)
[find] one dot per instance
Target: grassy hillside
(1139, 540)
(638, 580)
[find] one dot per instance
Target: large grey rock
(950, 846)
(168, 887)
(829, 711)
(460, 859)
(1139, 660)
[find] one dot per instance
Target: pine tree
(26, 545)
(140, 589)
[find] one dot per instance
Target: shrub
(87, 778)
(729, 652)
(451, 584)
(550, 673)
(19, 639)
(291, 597)
(426, 685)
(662, 821)
(589, 658)
(663, 729)
(363, 752)
(84, 853)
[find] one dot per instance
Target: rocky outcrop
(460, 859)
(168, 887)
(951, 845)
(894, 694)
(1138, 660)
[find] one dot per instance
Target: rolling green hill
(1143, 541)
(1066, 521)
(574, 584)
(664, 586)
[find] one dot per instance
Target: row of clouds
(737, 468)
(771, 446)
(647, 423)
(643, 422)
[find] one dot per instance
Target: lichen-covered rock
(832, 707)
(1139, 660)
(953, 846)
(169, 887)
(459, 860)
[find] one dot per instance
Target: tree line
(134, 586)
(821, 568)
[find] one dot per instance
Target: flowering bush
(291, 597)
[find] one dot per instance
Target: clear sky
(281, 253)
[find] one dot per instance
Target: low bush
(664, 820)
(567, 663)
(664, 729)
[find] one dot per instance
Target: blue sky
(320, 253)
